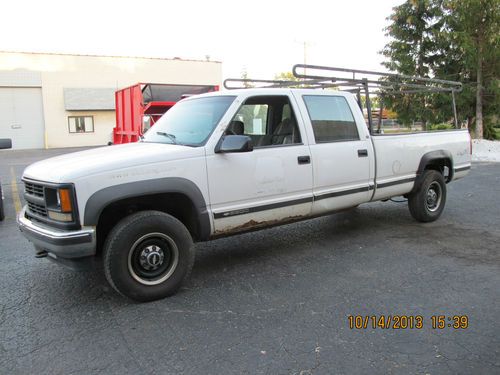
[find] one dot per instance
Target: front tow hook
(41, 254)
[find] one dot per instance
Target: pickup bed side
(401, 159)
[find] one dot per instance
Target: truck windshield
(189, 122)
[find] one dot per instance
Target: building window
(81, 124)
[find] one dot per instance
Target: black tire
(148, 255)
(2, 212)
(427, 203)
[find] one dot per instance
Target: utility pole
(304, 44)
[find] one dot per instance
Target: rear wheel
(427, 203)
(148, 255)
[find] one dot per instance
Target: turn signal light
(65, 199)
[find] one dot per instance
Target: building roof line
(111, 56)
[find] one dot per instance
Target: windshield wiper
(169, 136)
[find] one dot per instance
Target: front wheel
(427, 203)
(148, 255)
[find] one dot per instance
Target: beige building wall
(75, 71)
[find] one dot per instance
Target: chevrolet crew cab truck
(223, 163)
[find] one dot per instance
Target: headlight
(59, 204)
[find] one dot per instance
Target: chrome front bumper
(58, 243)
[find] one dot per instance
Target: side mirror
(234, 143)
(5, 143)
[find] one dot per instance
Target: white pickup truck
(222, 163)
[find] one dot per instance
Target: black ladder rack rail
(248, 83)
(355, 81)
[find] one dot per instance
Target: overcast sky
(263, 37)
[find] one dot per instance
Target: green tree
(411, 51)
(286, 76)
(448, 39)
(244, 75)
(474, 38)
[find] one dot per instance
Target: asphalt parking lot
(275, 301)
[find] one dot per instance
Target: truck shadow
(298, 240)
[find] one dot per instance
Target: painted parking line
(15, 191)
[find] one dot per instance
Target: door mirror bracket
(234, 143)
(5, 143)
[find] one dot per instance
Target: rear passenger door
(341, 156)
(272, 183)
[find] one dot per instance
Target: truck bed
(398, 157)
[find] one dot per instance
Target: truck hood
(71, 167)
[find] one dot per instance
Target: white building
(55, 100)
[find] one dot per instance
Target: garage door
(21, 117)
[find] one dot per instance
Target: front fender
(102, 198)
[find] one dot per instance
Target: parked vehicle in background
(4, 144)
(138, 107)
(223, 163)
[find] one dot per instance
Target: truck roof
(276, 91)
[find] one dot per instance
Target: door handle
(305, 159)
(362, 153)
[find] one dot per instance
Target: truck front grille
(35, 199)
(37, 209)
(33, 189)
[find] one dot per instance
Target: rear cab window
(331, 118)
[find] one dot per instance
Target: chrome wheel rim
(433, 197)
(153, 258)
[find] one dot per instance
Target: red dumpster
(138, 107)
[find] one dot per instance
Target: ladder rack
(355, 81)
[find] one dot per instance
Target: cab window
(331, 118)
(268, 120)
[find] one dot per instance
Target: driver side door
(272, 183)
